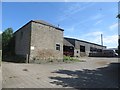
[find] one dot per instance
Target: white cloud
(111, 41)
(97, 16)
(94, 37)
(98, 22)
(73, 9)
(113, 26)
(96, 33)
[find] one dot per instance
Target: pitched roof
(46, 23)
(40, 22)
(83, 41)
(67, 43)
(43, 22)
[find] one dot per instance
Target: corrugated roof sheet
(67, 43)
(83, 41)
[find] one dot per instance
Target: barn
(39, 40)
(79, 48)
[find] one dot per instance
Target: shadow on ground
(106, 77)
(13, 59)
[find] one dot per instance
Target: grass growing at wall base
(66, 59)
(70, 59)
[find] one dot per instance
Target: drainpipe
(27, 58)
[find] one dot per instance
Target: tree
(6, 36)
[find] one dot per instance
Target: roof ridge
(84, 41)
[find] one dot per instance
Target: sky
(81, 20)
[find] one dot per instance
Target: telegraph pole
(102, 41)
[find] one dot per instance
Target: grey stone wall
(22, 40)
(43, 42)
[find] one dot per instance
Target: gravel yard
(0, 78)
(93, 73)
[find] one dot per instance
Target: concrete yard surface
(0, 78)
(94, 73)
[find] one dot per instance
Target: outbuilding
(39, 40)
(80, 48)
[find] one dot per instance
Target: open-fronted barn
(79, 48)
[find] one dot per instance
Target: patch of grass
(68, 58)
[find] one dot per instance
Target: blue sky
(81, 20)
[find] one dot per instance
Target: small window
(77, 51)
(91, 49)
(82, 48)
(58, 47)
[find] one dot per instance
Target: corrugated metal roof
(83, 41)
(67, 43)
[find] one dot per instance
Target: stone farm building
(79, 48)
(39, 39)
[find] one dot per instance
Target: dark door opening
(68, 51)
(82, 48)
